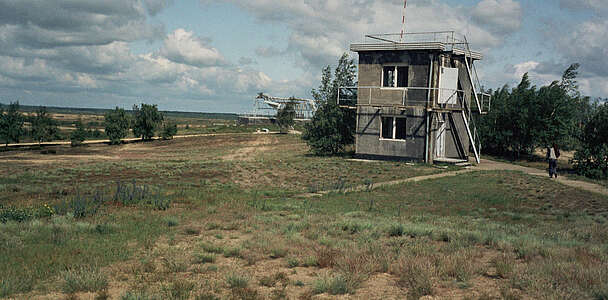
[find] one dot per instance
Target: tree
(591, 159)
(286, 116)
(79, 135)
(147, 120)
(117, 124)
(44, 128)
(169, 130)
(332, 128)
(11, 124)
(525, 118)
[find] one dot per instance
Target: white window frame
(395, 69)
(394, 127)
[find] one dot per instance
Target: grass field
(93, 119)
(224, 218)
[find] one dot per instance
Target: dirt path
(388, 183)
(490, 165)
(486, 165)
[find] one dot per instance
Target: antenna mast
(403, 21)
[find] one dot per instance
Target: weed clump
(203, 258)
(237, 281)
(212, 248)
(396, 230)
(83, 280)
(171, 221)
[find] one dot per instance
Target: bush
(237, 281)
(11, 124)
(78, 136)
(44, 128)
(117, 124)
(169, 130)
(83, 279)
(592, 159)
(286, 116)
(203, 258)
(146, 121)
(15, 214)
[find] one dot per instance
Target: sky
(215, 56)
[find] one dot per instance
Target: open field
(188, 123)
(224, 218)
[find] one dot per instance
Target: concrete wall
(370, 74)
(368, 140)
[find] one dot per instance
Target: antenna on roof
(403, 21)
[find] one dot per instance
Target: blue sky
(203, 55)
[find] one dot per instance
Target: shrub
(171, 221)
(237, 281)
(212, 248)
(179, 289)
(44, 128)
(78, 136)
(396, 230)
(202, 258)
(11, 124)
(592, 159)
(117, 124)
(285, 116)
(175, 264)
(503, 265)
(232, 252)
(83, 279)
(169, 130)
(15, 214)
(292, 262)
(206, 296)
(192, 231)
(130, 295)
(10, 286)
(278, 252)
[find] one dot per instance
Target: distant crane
(304, 108)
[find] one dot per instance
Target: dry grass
(236, 230)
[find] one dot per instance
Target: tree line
(145, 121)
(522, 120)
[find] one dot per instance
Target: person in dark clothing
(552, 156)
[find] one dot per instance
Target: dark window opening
(387, 127)
(400, 130)
(402, 76)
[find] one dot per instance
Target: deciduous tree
(147, 120)
(332, 128)
(11, 123)
(117, 124)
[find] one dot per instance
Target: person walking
(552, 156)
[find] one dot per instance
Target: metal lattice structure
(265, 108)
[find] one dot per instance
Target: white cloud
(322, 30)
(184, 47)
(597, 5)
(500, 16)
